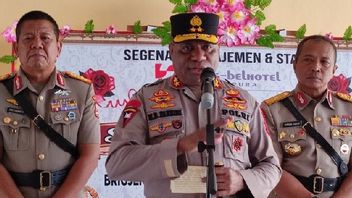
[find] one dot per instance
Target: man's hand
(229, 181)
(190, 142)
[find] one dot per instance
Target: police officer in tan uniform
(156, 137)
(31, 165)
(309, 170)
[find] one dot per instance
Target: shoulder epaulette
(154, 83)
(78, 77)
(6, 76)
(344, 96)
(277, 98)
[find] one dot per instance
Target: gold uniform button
(15, 123)
(318, 171)
(6, 120)
(41, 156)
(292, 136)
(66, 119)
(41, 98)
(318, 119)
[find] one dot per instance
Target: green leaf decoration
(180, 8)
(264, 3)
(89, 26)
(248, 3)
(270, 36)
(265, 42)
(175, 1)
(137, 28)
(167, 25)
(7, 59)
(164, 33)
(348, 34)
(259, 15)
(191, 1)
(270, 29)
(301, 32)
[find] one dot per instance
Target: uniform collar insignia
(60, 79)
(300, 99)
(176, 83)
(329, 97)
(18, 83)
(217, 83)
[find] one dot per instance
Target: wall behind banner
(321, 16)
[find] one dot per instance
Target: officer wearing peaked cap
(310, 169)
(156, 137)
(31, 163)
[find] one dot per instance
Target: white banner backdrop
(118, 70)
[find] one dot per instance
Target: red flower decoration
(102, 83)
(340, 84)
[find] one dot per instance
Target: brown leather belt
(40, 179)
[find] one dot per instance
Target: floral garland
(237, 26)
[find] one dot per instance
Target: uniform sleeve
(131, 158)
(89, 129)
(271, 126)
(265, 172)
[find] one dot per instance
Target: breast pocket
(236, 148)
(342, 141)
(16, 132)
(237, 134)
(66, 124)
(292, 140)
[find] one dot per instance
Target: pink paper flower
(9, 33)
(236, 24)
(110, 30)
(228, 35)
(249, 32)
(65, 30)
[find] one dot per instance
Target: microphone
(207, 77)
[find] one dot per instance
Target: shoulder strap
(38, 121)
(342, 166)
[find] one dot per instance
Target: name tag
(292, 124)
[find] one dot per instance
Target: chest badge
(344, 149)
(163, 99)
(292, 149)
(234, 100)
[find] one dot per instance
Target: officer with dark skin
(158, 132)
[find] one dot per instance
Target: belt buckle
(36, 119)
(317, 180)
(44, 180)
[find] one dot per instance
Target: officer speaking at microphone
(311, 127)
(49, 132)
(156, 137)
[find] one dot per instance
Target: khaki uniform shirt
(299, 154)
(25, 147)
(144, 147)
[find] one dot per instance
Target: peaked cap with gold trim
(194, 26)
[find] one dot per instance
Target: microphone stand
(210, 147)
